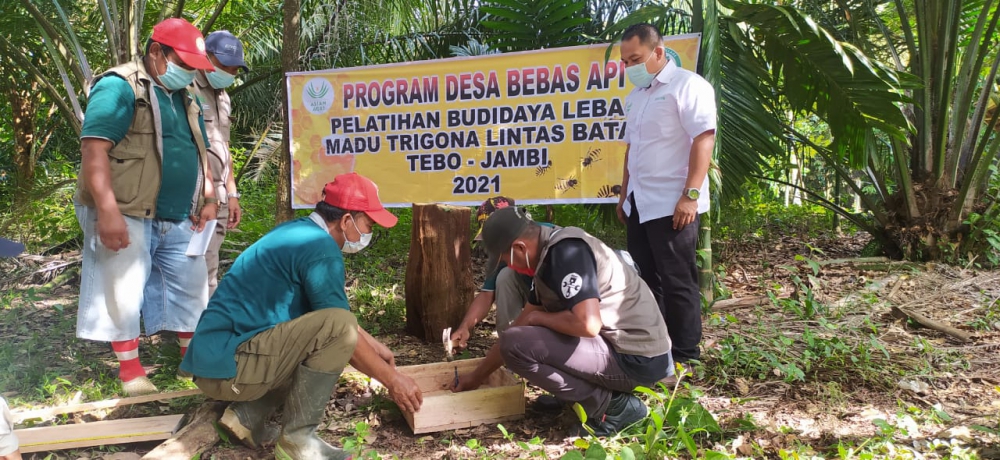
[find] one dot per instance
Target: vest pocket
(126, 173)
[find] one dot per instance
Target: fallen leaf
(956, 432)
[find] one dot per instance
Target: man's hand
(112, 230)
(466, 382)
(208, 212)
(685, 212)
(405, 392)
(462, 336)
(526, 318)
(620, 211)
(235, 213)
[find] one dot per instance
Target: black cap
(501, 229)
(9, 248)
(487, 209)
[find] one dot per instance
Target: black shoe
(549, 403)
(624, 410)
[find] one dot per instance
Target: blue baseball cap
(9, 248)
(227, 49)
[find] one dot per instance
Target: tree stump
(198, 435)
(439, 272)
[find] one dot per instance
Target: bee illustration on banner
(609, 191)
(593, 156)
(566, 184)
(541, 170)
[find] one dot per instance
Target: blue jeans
(151, 277)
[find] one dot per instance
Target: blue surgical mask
(176, 77)
(639, 76)
(220, 79)
(353, 247)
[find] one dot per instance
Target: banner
(542, 127)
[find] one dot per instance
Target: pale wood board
(97, 405)
(97, 433)
(501, 398)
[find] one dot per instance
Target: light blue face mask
(220, 79)
(176, 77)
(639, 76)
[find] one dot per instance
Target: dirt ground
(963, 380)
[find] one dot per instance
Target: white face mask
(353, 247)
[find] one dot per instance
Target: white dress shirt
(662, 121)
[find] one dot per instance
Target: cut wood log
(733, 304)
(198, 435)
(924, 321)
(439, 272)
(102, 433)
(853, 260)
(48, 412)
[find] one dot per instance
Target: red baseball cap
(186, 41)
(354, 192)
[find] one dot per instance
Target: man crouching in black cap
(591, 331)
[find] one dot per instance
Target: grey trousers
(510, 296)
(574, 369)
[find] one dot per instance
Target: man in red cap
(144, 173)
(279, 327)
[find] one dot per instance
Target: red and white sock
(128, 359)
(184, 338)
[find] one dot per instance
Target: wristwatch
(233, 195)
(692, 193)
(211, 200)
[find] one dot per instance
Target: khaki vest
(631, 318)
(136, 161)
(217, 108)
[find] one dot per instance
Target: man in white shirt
(670, 133)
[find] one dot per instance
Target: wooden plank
(500, 398)
(97, 433)
(49, 412)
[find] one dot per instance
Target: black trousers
(667, 259)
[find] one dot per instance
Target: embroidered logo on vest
(571, 285)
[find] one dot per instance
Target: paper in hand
(199, 242)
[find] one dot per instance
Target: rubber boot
(624, 410)
(247, 420)
(304, 407)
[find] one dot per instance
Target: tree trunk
(706, 276)
(289, 63)
(198, 435)
(439, 273)
(22, 106)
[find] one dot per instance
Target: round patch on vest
(571, 285)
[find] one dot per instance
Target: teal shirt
(294, 269)
(109, 115)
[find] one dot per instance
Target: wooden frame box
(499, 399)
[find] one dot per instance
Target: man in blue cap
(225, 51)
